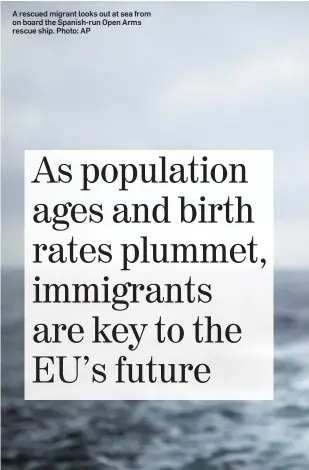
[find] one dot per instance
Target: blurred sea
(162, 435)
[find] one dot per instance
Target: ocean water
(162, 435)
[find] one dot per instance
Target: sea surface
(41, 435)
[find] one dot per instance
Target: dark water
(162, 435)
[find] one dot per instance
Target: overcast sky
(196, 75)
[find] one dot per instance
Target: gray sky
(195, 76)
